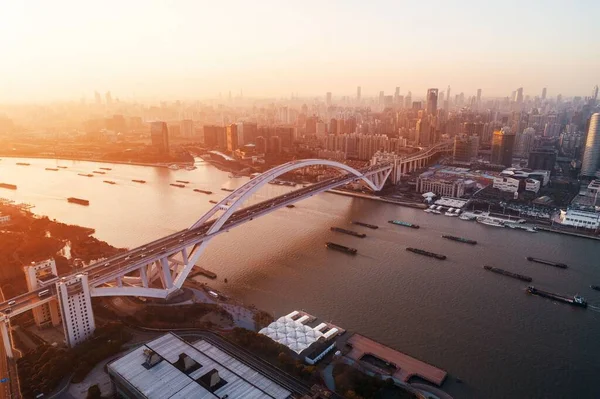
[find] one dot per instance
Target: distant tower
(432, 98)
(381, 97)
(328, 98)
(447, 103)
(358, 94)
(544, 93)
(159, 134)
(108, 98)
(519, 96)
(595, 93)
(591, 154)
(98, 98)
(396, 95)
(478, 99)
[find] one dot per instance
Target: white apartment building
(507, 184)
(39, 275)
(532, 185)
(446, 188)
(579, 218)
(4, 219)
(76, 309)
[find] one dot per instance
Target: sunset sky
(63, 49)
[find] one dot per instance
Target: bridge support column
(144, 276)
(6, 339)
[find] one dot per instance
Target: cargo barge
(460, 239)
(99, 172)
(341, 248)
(62, 167)
(52, 169)
(9, 186)
(182, 181)
(23, 164)
(79, 201)
(547, 262)
(574, 300)
(109, 182)
(426, 253)
(138, 181)
(371, 226)
(106, 168)
(349, 232)
(213, 201)
(202, 191)
(85, 175)
(228, 189)
(177, 185)
(405, 224)
(509, 274)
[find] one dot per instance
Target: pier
(405, 366)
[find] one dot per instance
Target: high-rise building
(462, 148)
(214, 136)
(408, 100)
(447, 103)
(591, 155)
(108, 98)
(358, 94)
(98, 98)
(187, 128)
(432, 98)
(76, 308)
(159, 133)
(519, 96)
(524, 141)
(232, 137)
(397, 95)
(544, 93)
(542, 159)
(328, 98)
(478, 99)
(261, 145)
(595, 93)
(381, 97)
(503, 143)
(39, 275)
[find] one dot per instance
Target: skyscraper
(478, 99)
(358, 94)
(432, 97)
(447, 103)
(159, 133)
(595, 93)
(232, 137)
(98, 98)
(396, 95)
(544, 93)
(187, 128)
(519, 96)
(328, 98)
(503, 143)
(108, 98)
(591, 154)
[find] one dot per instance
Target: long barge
(85, 174)
(595, 287)
(460, 239)
(182, 181)
(509, 274)
(109, 182)
(79, 201)
(23, 164)
(341, 248)
(8, 186)
(62, 167)
(371, 226)
(202, 191)
(349, 232)
(426, 253)
(177, 185)
(52, 169)
(138, 181)
(228, 189)
(547, 262)
(574, 300)
(405, 224)
(99, 172)
(106, 168)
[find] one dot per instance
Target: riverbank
(568, 233)
(156, 165)
(376, 198)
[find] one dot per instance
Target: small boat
(490, 221)
(290, 206)
(371, 226)
(595, 287)
(213, 201)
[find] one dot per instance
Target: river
(479, 326)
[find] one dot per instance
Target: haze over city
(165, 50)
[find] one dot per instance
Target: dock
(406, 366)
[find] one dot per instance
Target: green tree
(94, 392)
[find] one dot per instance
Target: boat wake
(594, 308)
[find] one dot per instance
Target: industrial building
(309, 343)
(169, 367)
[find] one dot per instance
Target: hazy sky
(60, 49)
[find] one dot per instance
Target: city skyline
(65, 50)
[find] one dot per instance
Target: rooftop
(183, 370)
